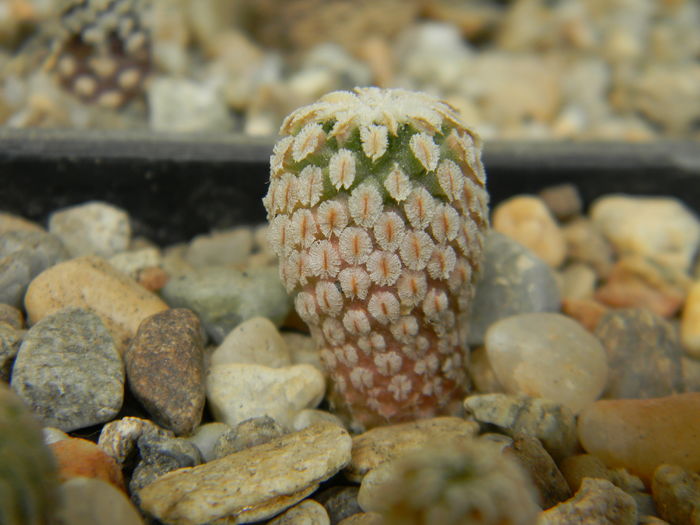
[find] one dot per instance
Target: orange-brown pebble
(82, 458)
(586, 311)
(91, 282)
(153, 278)
(641, 434)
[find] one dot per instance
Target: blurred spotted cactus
(377, 210)
(101, 49)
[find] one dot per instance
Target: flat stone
(237, 392)
(527, 220)
(662, 228)
(308, 512)
(68, 370)
(641, 434)
(223, 298)
(690, 321)
(93, 228)
(251, 485)
(643, 353)
(550, 422)
(597, 501)
(381, 444)
(10, 340)
(249, 433)
(586, 244)
(256, 341)
(82, 458)
(541, 468)
(547, 355)
(339, 501)
(119, 438)
(92, 283)
(513, 281)
(87, 501)
(223, 248)
(165, 369)
(676, 493)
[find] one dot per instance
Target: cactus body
(377, 210)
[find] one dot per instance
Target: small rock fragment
(308, 512)
(249, 433)
(253, 484)
(578, 281)
(676, 493)
(587, 312)
(339, 501)
(597, 501)
(382, 444)
(165, 369)
(255, 341)
(587, 245)
(643, 353)
(552, 423)
(87, 501)
(118, 438)
(93, 228)
(68, 370)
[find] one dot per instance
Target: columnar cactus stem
(377, 210)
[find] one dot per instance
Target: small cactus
(377, 210)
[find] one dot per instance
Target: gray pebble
(340, 502)
(10, 339)
(514, 281)
(249, 433)
(644, 354)
(86, 501)
(68, 370)
(11, 316)
(223, 297)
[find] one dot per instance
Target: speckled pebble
(597, 501)
(552, 423)
(513, 281)
(249, 433)
(547, 355)
(119, 438)
(676, 493)
(251, 485)
(255, 341)
(92, 228)
(237, 392)
(223, 298)
(165, 369)
(92, 283)
(88, 501)
(308, 512)
(643, 353)
(382, 444)
(68, 370)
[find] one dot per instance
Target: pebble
(119, 438)
(381, 444)
(10, 340)
(640, 282)
(563, 201)
(11, 223)
(513, 281)
(527, 220)
(690, 321)
(661, 228)
(641, 434)
(92, 228)
(136, 263)
(224, 248)
(223, 298)
(92, 283)
(340, 502)
(586, 244)
(249, 433)
(68, 370)
(180, 105)
(82, 458)
(552, 423)
(308, 512)
(237, 392)
(206, 436)
(303, 349)
(451, 483)
(254, 484)
(597, 501)
(309, 416)
(578, 281)
(580, 466)
(23, 256)
(28, 475)
(86, 501)
(676, 493)
(643, 352)
(541, 468)
(547, 355)
(363, 518)
(52, 435)
(11, 316)
(255, 341)
(159, 455)
(587, 312)
(165, 369)
(482, 374)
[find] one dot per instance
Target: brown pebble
(563, 200)
(153, 278)
(165, 369)
(588, 312)
(82, 458)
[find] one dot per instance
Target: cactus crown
(376, 206)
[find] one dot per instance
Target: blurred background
(624, 70)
